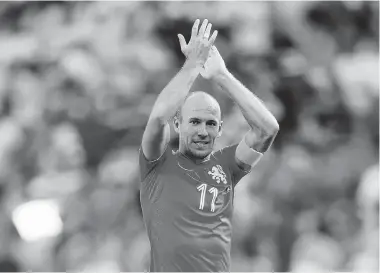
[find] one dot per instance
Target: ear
(176, 124)
(220, 129)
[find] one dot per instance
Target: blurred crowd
(78, 81)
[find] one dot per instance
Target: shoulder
(147, 166)
(225, 153)
(226, 157)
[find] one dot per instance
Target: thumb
(214, 50)
(182, 41)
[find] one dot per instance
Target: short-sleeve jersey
(187, 210)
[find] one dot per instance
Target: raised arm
(157, 131)
(264, 126)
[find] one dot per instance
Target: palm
(197, 50)
(214, 64)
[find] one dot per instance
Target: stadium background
(78, 81)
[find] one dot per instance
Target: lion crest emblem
(218, 174)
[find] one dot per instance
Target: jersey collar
(196, 161)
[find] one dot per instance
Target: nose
(202, 132)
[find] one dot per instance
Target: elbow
(157, 119)
(159, 115)
(276, 128)
(273, 128)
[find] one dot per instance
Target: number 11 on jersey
(203, 189)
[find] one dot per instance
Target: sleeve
(146, 166)
(227, 156)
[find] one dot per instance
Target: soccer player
(187, 195)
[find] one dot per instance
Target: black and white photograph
(189, 136)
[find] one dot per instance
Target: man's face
(199, 127)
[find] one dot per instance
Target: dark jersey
(187, 210)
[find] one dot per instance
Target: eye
(211, 123)
(194, 121)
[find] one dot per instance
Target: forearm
(253, 109)
(175, 92)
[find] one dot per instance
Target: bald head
(199, 101)
(198, 119)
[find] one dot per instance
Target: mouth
(201, 143)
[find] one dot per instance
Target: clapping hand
(214, 65)
(198, 48)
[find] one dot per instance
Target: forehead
(202, 107)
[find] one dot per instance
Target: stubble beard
(197, 154)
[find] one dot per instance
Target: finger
(214, 49)
(182, 41)
(194, 31)
(201, 32)
(213, 37)
(208, 31)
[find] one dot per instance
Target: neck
(191, 157)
